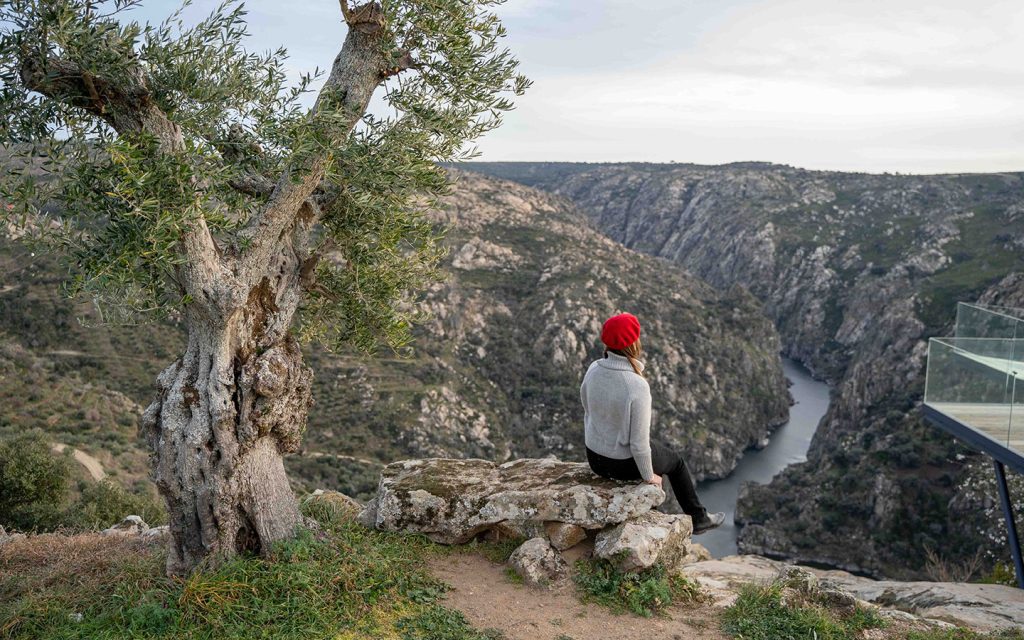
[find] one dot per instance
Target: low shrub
(644, 592)
(33, 483)
(761, 612)
(104, 503)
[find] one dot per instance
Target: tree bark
(226, 412)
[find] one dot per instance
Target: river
(788, 444)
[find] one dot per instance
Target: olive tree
(182, 175)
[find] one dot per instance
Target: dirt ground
(488, 599)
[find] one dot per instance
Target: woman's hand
(656, 481)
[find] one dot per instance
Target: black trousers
(666, 462)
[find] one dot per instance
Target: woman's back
(616, 409)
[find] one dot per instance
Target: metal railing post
(1011, 523)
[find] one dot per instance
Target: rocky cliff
(494, 373)
(857, 271)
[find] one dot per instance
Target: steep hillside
(495, 373)
(857, 271)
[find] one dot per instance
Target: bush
(105, 503)
(33, 483)
(763, 613)
(643, 592)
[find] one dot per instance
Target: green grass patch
(644, 593)
(345, 582)
(761, 613)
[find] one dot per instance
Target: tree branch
(357, 71)
(127, 106)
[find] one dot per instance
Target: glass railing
(988, 321)
(977, 377)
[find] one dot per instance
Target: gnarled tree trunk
(227, 410)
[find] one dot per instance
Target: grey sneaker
(708, 522)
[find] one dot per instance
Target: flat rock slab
(452, 500)
(982, 607)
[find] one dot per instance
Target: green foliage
(1001, 573)
(762, 613)
(345, 582)
(33, 483)
(101, 504)
(644, 592)
(101, 185)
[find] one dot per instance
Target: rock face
(643, 541)
(978, 606)
(451, 501)
(496, 371)
(857, 271)
(538, 563)
(494, 374)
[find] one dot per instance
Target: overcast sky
(870, 85)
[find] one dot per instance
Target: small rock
(696, 552)
(368, 516)
(564, 535)
(896, 614)
(538, 563)
(131, 525)
(156, 532)
(649, 539)
(836, 598)
(798, 579)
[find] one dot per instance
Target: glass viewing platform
(974, 389)
(976, 377)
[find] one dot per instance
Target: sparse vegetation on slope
(344, 582)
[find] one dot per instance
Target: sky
(909, 86)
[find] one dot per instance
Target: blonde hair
(632, 353)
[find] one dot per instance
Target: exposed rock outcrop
(648, 539)
(857, 271)
(452, 501)
(977, 606)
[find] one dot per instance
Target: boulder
(538, 563)
(131, 525)
(648, 539)
(563, 535)
(336, 501)
(452, 500)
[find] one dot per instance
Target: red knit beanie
(620, 331)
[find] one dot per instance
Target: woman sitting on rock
(617, 422)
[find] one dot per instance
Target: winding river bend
(788, 445)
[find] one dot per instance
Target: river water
(789, 444)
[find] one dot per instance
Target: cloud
(880, 85)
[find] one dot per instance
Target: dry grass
(88, 558)
(939, 569)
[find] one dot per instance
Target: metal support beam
(1011, 523)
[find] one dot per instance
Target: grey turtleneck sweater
(617, 412)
